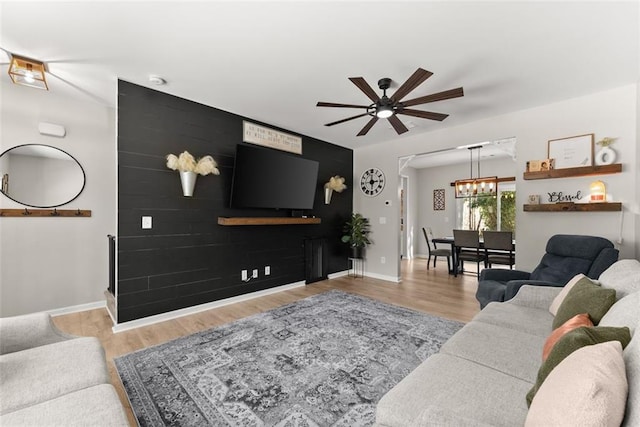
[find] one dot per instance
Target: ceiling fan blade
(397, 124)
(368, 126)
(424, 114)
(332, 104)
(412, 82)
(440, 96)
(347, 119)
(364, 86)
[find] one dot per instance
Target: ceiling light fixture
(27, 72)
(384, 111)
(476, 187)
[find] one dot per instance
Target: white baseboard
(338, 274)
(146, 321)
(383, 277)
(76, 308)
(372, 275)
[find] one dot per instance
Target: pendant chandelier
(476, 187)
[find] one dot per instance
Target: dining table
(448, 240)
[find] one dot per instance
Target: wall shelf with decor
(574, 207)
(574, 172)
(233, 221)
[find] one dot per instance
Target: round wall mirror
(40, 176)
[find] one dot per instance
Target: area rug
(324, 360)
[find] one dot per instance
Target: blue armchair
(566, 255)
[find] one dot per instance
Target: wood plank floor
(432, 291)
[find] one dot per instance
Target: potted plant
(357, 230)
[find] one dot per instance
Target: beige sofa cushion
(42, 373)
(623, 276)
(95, 406)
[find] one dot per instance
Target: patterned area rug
(324, 360)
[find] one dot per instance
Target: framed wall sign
(571, 152)
(260, 135)
(438, 199)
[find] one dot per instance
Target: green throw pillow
(572, 341)
(585, 297)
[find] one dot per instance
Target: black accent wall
(188, 259)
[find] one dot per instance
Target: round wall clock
(372, 182)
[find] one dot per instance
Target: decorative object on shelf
(560, 197)
(357, 230)
(372, 182)
(606, 155)
(534, 199)
(438, 199)
(260, 135)
(336, 183)
(571, 152)
(540, 165)
(476, 187)
(597, 192)
(28, 72)
(189, 169)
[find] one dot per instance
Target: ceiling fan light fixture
(27, 72)
(384, 111)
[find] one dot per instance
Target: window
(489, 213)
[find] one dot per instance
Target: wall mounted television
(267, 178)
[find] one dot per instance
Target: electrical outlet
(383, 260)
(255, 273)
(267, 270)
(146, 222)
(244, 275)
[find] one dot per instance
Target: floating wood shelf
(574, 207)
(571, 172)
(40, 213)
(232, 221)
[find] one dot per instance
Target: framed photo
(571, 152)
(438, 199)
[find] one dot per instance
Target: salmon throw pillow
(568, 326)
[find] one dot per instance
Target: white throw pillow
(553, 308)
(587, 389)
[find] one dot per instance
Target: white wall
(53, 263)
(443, 222)
(611, 113)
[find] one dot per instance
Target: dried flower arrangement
(185, 162)
(336, 183)
(605, 142)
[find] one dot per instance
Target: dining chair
(435, 252)
(498, 248)
(467, 247)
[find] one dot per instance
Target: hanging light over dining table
(478, 186)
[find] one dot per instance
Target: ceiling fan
(388, 107)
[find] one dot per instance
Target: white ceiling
(272, 61)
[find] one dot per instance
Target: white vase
(327, 195)
(188, 180)
(606, 156)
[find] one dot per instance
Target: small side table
(356, 267)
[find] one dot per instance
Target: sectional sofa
(49, 378)
(482, 374)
